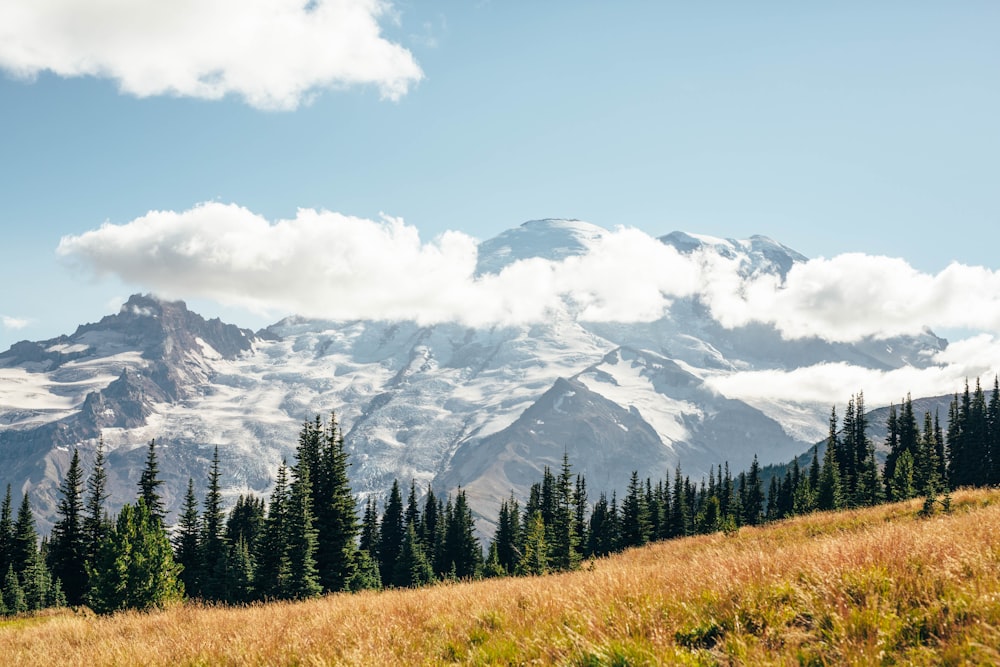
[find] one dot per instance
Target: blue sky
(846, 128)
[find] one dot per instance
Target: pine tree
(273, 569)
(13, 594)
(67, 555)
(239, 588)
(96, 524)
(335, 513)
(463, 554)
(214, 548)
(506, 538)
(370, 528)
(902, 485)
(366, 576)
(565, 545)
(303, 580)
(390, 539)
(580, 512)
(680, 510)
(24, 547)
(134, 568)
(534, 556)
(412, 567)
(602, 540)
(149, 484)
(6, 533)
(187, 543)
(635, 517)
(828, 493)
(753, 502)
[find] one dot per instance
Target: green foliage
(366, 575)
(134, 568)
(149, 484)
(67, 555)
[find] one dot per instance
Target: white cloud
(328, 265)
(14, 323)
(273, 53)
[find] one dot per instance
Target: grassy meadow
(875, 586)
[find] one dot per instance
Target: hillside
(874, 586)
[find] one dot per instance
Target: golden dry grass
(877, 586)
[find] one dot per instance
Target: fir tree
(412, 567)
(753, 497)
(565, 545)
(828, 493)
(13, 594)
(67, 555)
(506, 538)
(463, 554)
(96, 524)
(390, 539)
(239, 587)
(214, 548)
(534, 556)
(149, 484)
(335, 513)
(187, 543)
(303, 580)
(366, 575)
(6, 533)
(635, 518)
(134, 568)
(24, 546)
(273, 569)
(369, 528)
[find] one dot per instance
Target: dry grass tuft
(875, 586)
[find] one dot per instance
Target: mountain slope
(444, 405)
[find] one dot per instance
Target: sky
(239, 153)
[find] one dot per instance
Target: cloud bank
(272, 53)
(328, 265)
(13, 323)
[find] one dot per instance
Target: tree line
(308, 539)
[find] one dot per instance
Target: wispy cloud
(329, 265)
(272, 53)
(14, 323)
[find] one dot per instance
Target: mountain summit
(445, 405)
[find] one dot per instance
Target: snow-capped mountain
(447, 404)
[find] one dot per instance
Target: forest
(307, 539)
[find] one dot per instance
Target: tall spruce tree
(6, 533)
(150, 483)
(96, 524)
(635, 517)
(214, 549)
(187, 543)
(390, 539)
(463, 553)
(335, 512)
(303, 579)
(273, 569)
(67, 555)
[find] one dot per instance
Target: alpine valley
(445, 405)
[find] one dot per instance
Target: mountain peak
(758, 254)
(548, 238)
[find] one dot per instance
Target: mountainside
(448, 405)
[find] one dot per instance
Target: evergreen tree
(335, 512)
(273, 569)
(245, 520)
(24, 546)
(753, 502)
(96, 524)
(67, 555)
(214, 549)
(366, 576)
(13, 594)
(239, 588)
(149, 484)
(187, 543)
(6, 533)
(580, 512)
(602, 540)
(412, 567)
(534, 554)
(303, 580)
(828, 493)
(390, 539)
(369, 528)
(635, 517)
(463, 554)
(565, 542)
(901, 485)
(506, 538)
(680, 510)
(134, 568)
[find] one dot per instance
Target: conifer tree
(67, 555)
(134, 568)
(13, 594)
(463, 554)
(902, 485)
(390, 539)
(96, 524)
(580, 512)
(239, 587)
(335, 512)
(303, 580)
(635, 518)
(680, 510)
(370, 528)
(187, 543)
(273, 569)
(753, 502)
(6, 533)
(534, 553)
(366, 576)
(565, 545)
(506, 538)
(828, 493)
(412, 567)
(214, 549)
(149, 484)
(24, 546)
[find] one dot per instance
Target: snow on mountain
(445, 405)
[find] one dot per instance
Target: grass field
(867, 587)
